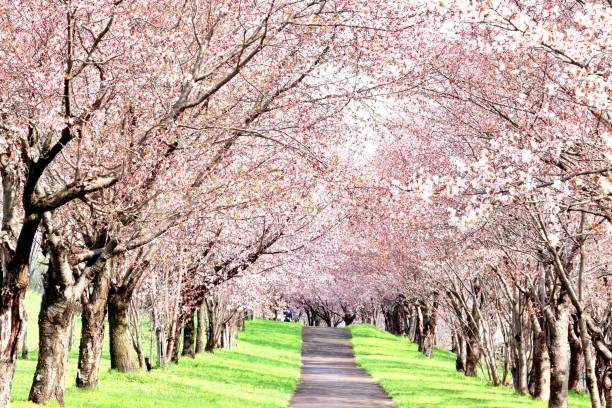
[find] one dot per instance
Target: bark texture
(123, 355)
(56, 313)
(189, 334)
(559, 354)
(541, 362)
(92, 330)
(199, 348)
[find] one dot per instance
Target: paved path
(330, 376)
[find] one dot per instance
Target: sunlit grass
(414, 381)
(261, 371)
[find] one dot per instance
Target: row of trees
(491, 215)
(155, 150)
(431, 166)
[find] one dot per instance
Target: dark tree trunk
(11, 312)
(92, 331)
(122, 353)
(460, 361)
(395, 316)
(13, 284)
(541, 362)
(199, 348)
(348, 319)
(472, 356)
(559, 359)
(176, 338)
(213, 330)
(56, 312)
(160, 346)
(189, 334)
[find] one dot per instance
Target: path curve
(330, 376)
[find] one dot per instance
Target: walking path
(330, 376)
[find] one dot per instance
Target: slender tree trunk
(71, 336)
(541, 362)
(136, 334)
(418, 326)
(200, 329)
(24, 336)
(160, 345)
(506, 365)
(559, 359)
(589, 363)
(122, 353)
(189, 337)
(54, 319)
(92, 331)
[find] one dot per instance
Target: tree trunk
(160, 345)
(559, 359)
(460, 362)
(430, 321)
(71, 336)
(472, 356)
(122, 353)
(14, 279)
(575, 364)
(174, 355)
(11, 324)
(589, 363)
(92, 331)
(520, 375)
(200, 330)
(212, 331)
(506, 365)
(418, 326)
(607, 388)
(136, 334)
(24, 336)
(189, 337)
(54, 319)
(541, 362)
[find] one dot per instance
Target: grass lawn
(413, 380)
(261, 371)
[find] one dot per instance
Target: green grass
(414, 381)
(261, 371)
